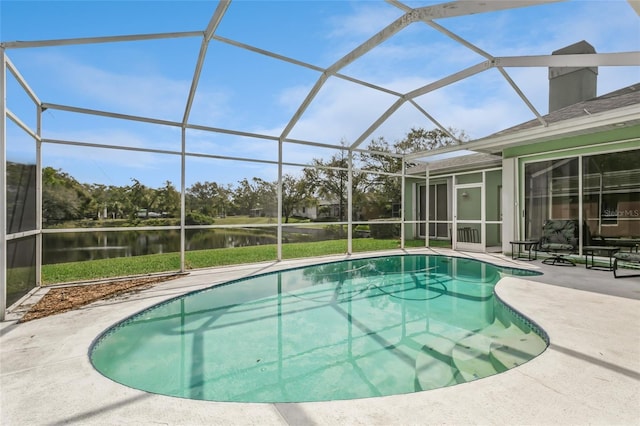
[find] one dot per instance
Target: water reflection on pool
(341, 330)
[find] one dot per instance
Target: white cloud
(341, 111)
(151, 95)
(147, 94)
(112, 167)
(367, 19)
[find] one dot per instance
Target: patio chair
(559, 239)
(468, 235)
(625, 257)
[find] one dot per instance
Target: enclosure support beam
(39, 196)
(402, 203)
(96, 40)
(208, 34)
(182, 199)
(3, 183)
(22, 82)
(280, 192)
(436, 122)
(475, 69)
(427, 206)
(393, 108)
(365, 47)
(619, 59)
(472, 7)
(522, 96)
(349, 204)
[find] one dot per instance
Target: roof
(627, 96)
(460, 163)
(617, 110)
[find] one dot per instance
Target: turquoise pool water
(342, 330)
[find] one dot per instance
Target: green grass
(170, 262)
(109, 268)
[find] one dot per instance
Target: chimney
(570, 85)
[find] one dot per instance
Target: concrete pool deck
(590, 374)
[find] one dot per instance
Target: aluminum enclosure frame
(426, 15)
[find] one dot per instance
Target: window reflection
(610, 199)
(551, 192)
(21, 197)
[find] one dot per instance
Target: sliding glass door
(601, 191)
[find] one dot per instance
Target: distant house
(142, 213)
(321, 209)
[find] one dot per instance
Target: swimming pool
(341, 330)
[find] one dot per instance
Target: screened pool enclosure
(164, 135)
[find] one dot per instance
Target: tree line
(374, 192)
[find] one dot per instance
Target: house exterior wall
(510, 204)
(626, 138)
(468, 209)
(493, 208)
(621, 222)
(309, 211)
(411, 204)
(624, 221)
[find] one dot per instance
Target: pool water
(341, 330)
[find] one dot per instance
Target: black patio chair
(559, 239)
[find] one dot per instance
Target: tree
(200, 197)
(222, 199)
(384, 191)
(63, 198)
(97, 203)
(168, 200)
(267, 196)
(330, 180)
(118, 204)
(294, 193)
(245, 196)
(141, 198)
(419, 139)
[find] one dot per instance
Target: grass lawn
(169, 262)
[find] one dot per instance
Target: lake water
(80, 246)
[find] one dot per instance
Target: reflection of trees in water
(386, 281)
(380, 280)
(401, 286)
(104, 245)
(339, 272)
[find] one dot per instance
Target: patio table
(609, 251)
(519, 248)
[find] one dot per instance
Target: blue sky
(244, 91)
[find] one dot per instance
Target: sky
(241, 90)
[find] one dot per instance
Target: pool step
(498, 331)
(510, 352)
(434, 365)
(472, 355)
(469, 356)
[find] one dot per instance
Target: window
(611, 195)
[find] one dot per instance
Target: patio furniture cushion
(625, 257)
(559, 237)
(628, 257)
